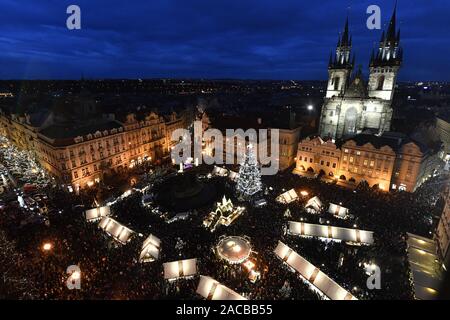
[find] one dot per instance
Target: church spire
(391, 33)
(343, 49)
(345, 36)
(389, 52)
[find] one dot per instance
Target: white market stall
(95, 214)
(353, 236)
(338, 211)
(211, 289)
(180, 269)
(150, 249)
(311, 274)
(116, 230)
(314, 205)
(288, 197)
(218, 171)
(425, 267)
(233, 176)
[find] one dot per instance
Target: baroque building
(352, 105)
(81, 154)
(391, 161)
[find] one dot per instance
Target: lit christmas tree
(249, 181)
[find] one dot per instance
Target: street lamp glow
(47, 246)
(310, 107)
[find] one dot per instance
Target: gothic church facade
(351, 105)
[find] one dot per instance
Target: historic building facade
(82, 154)
(392, 161)
(350, 104)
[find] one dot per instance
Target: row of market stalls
(234, 250)
(351, 236)
(311, 275)
(426, 272)
(313, 205)
(222, 172)
(208, 288)
(151, 246)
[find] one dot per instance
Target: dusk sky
(246, 39)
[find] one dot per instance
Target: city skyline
(251, 40)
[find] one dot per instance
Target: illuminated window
(351, 159)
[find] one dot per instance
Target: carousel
(234, 249)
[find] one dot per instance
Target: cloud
(287, 39)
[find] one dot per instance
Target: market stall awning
(426, 269)
(311, 274)
(97, 213)
(180, 269)
(288, 197)
(150, 249)
(338, 211)
(211, 289)
(314, 203)
(330, 232)
(116, 230)
(233, 175)
(218, 171)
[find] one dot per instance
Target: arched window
(380, 83)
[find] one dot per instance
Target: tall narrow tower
(385, 63)
(340, 66)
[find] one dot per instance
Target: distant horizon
(205, 79)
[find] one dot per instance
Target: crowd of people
(110, 270)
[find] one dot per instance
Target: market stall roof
(211, 289)
(150, 249)
(331, 232)
(233, 175)
(338, 211)
(116, 230)
(180, 269)
(220, 171)
(288, 197)
(425, 267)
(97, 213)
(314, 203)
(311, 274)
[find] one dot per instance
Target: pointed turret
(345, 36)
(391, 32)
(388, 51)
(343, 50)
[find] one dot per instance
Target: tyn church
(351, 105)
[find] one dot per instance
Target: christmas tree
(249, 181)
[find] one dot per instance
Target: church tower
(385, 63)
(340, 67)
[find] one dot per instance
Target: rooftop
(63, 134)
